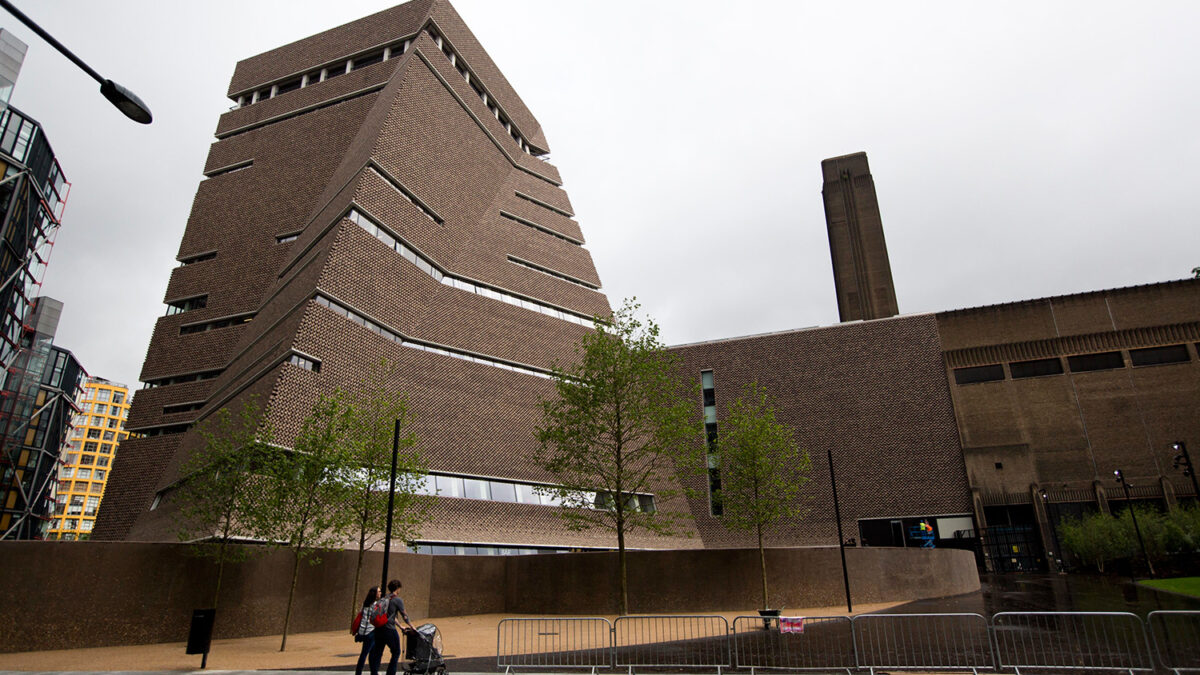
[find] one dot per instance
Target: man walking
(390, 634)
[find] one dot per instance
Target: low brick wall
(91, 594)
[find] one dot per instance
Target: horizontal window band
(345, 311)
(236, 166)
(541, 228)
(196, 257)
(380, 232)
(549, 272)
(216, 324)
(544, 205)
(340, 60)
(405, 192)
(182, 379)
(301, 111)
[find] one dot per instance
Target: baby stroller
(424, 651)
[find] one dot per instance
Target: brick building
(380, 193)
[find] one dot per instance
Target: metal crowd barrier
(933, 642)
(1071, 640)
(671, 641)
(824, 643)
(554, 643)
(1176, 639)
(937, 642)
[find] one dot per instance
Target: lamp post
(837, 515)
(1184, 460)
(1129, 502)
(1056, 555)
(126, 101)
(387, 537)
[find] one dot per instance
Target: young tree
(374, 410)
(620, 424)
(308, 488)
(762, 469)
(217, 495)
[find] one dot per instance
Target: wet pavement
(1052, 593)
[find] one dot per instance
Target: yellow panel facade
(87, 457)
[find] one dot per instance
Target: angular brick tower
(862, 274)
(379, 193)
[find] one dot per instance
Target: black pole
(1136, 529)
(1191, 468)
(50, 38)
(837, 515)
(125, 100)
(387, 538)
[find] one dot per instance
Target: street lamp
(1129, 502)
(387, 538)
(1053, 530)
(126, 101)
(1184, 461)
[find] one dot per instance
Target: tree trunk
(762, 561)
(362, 544)
(621, 564)
(287, 616)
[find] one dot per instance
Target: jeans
(368, 647)
(390, 637)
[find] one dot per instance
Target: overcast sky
(1019, 150)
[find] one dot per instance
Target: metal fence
(1071, 640)
(1011, 641)
(554, 643)
(674, 641)
(824, 643)
(938, 642)
(1176, 639)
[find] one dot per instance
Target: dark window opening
(714, 491)
(975, 374)
(214, 325)
(999, 465)
(334, 71)
(1035, 368)
(181, 408)
(198, 258)
(369, 60)
(1102, 361)
(187, 304)
(290, 85)
(1153, 356)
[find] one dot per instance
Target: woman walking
(365, 633)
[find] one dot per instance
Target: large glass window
(504, 492)
(476, 489)
(449, 486)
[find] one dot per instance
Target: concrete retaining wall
(90, 594)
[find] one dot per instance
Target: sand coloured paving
(462, 637)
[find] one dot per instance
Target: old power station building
(380, 193)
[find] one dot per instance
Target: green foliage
(306, 490)
(762, 469)
(621, 423)
(1098, 538)
(218, 495)
(374, 409)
